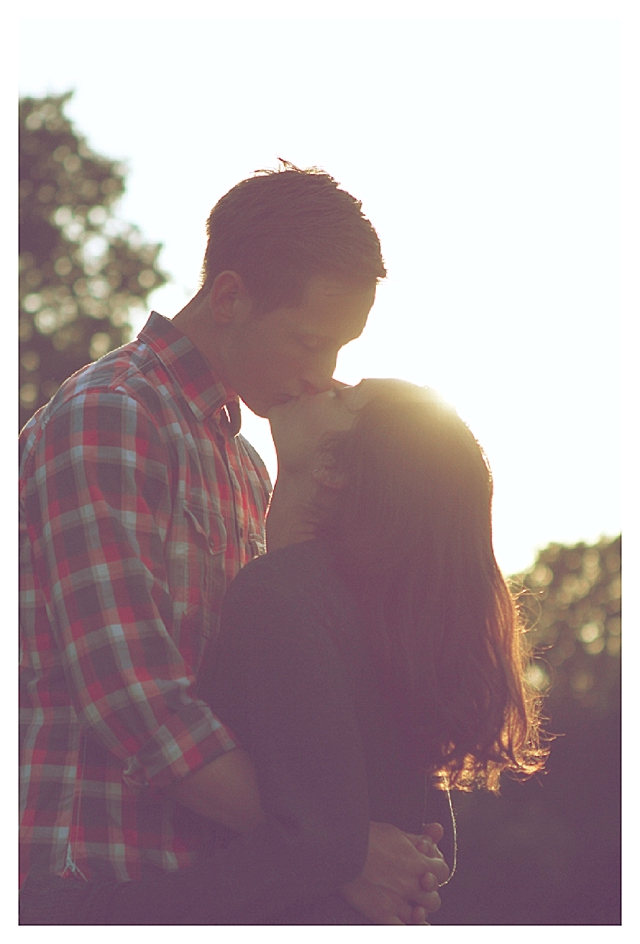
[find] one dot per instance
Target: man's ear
(329, 476)
(228, 298)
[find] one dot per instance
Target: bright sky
(487, 155)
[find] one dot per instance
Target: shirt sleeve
(98, 508)
(283, 684)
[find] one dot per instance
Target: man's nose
(319, 378)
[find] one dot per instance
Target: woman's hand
(438, 869)
(426, 844)
(399, 882)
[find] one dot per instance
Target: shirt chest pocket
(197, 579)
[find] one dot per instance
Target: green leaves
(82, 270)
(571, 601)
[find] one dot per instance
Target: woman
(376, 647)
(374, 651)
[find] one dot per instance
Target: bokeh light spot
(100, 343)
(28, 394)
(62, 216)
(46, 321)
(147, 278)
(30, 360)
(97, 215)
(581, 682)
(590, 631)
(63, 266)
(538, 676)
(32, 303)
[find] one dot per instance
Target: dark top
(291, 677)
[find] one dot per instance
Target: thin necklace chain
(454, 827)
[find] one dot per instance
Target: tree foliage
(572, 600)
(548, 851)
(82, 270)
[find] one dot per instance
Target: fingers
(432, 902)
(426, 896)
(419, 916)
(378, 904)
(427, 847)
(428, 882)
(392, 909)
(382, 906)
(436, 873)
(412, 837)
(408, 867)
(434, 831)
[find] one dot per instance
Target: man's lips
(289, 397)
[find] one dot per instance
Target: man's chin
(262, 407)
(258, 406)
(258, 409)
(281, 401)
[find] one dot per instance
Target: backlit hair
(411, 534)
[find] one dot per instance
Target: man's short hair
(280, 228)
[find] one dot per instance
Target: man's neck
(196, 322)
(290, 516)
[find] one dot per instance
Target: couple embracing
(215, 735)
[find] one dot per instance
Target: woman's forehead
(361, 393)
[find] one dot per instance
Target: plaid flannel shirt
(138, 504)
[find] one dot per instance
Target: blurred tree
(82, 271)
(572, 602)
(548, 851)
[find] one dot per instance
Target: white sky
(487, 155)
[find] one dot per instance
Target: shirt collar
(205, 395)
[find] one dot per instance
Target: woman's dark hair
(280, 228)
(411, 533)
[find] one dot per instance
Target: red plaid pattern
(138, 504)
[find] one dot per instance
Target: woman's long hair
(411, 534)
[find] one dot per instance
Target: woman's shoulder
(298, 580)
(308, 562)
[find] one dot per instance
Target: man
(140, 502)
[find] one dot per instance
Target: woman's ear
(329, 476)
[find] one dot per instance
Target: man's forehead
(330, 326)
